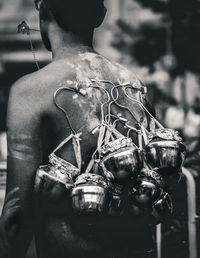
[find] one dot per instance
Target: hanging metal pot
(120, 160)
(89, 195)
(53, 179)
(62, 170)
(165, 150)
(147, 189)
(117, 199)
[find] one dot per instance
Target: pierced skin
(35, 128)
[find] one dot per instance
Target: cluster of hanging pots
(129, 178)
(121, 176)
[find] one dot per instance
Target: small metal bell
(89, 195)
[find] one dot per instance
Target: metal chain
(33, 52)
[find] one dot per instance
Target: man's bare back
(83, 94)
(43, 126)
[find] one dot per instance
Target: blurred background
(156, 39)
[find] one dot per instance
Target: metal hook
(102, 104)
(110, 115)
(122, 106)
(142, 106)
(62, 109)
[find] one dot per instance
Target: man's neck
(66, 44)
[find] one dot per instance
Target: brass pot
(146, 193)
(48, 186)
(88, 196)
(88, 199)
(165, 154)
(120, 160)
(165, 150)
(62, 169)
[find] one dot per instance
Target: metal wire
(142, 105)
(120, 105)
(62, 109)
(102, 104)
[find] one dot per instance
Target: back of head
(73, 15)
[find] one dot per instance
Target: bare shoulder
(24, 103)
(114, 70)
(32, 90)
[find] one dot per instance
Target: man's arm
(24, 157)
(9, 222)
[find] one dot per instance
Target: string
(102, 128)
(75, 137)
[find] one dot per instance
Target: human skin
(36, 126)
(9, 222)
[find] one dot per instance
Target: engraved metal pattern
(147, 173)
(116, 145)
(165, 154)
(89, 194)
(121, 164)
(165, 134)
(91, 179)
(62, 169)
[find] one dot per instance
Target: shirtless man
(36, 126)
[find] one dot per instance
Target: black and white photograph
(99, 128)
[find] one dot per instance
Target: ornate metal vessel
(58, 174)
(120, 160)
(165, 150)
(62, 170)
(146, 194)
(117, 199)
(148, 188)
(89, 195)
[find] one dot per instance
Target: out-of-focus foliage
(168, 45)
(185, 16)
(180, 24)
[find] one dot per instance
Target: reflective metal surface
(165, 154)
(49, 186)
(89, 199)
(146, 193)
(62, 169)
(116, 205)
(162, 208)
(122, 164)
